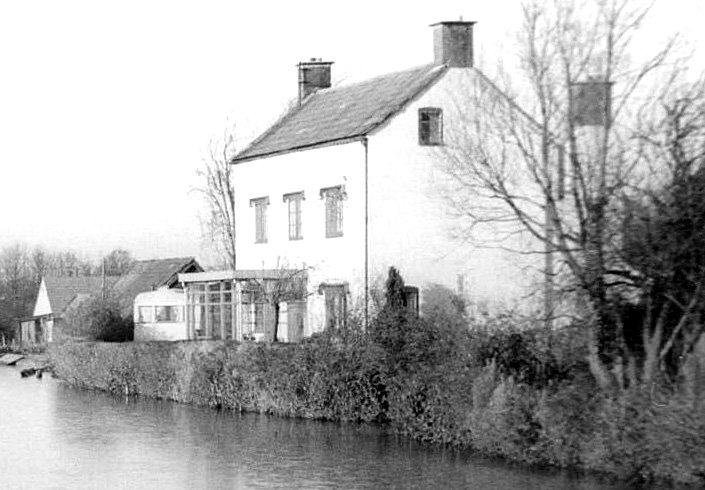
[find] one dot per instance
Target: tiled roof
(62, 290)
(147, 275)
(343, 113)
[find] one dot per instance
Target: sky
(106, 108)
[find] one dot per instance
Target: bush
(97, 318)
(521, 394)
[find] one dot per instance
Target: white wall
(42, 306)
(412, 225)
(326, 259)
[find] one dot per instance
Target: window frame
(260, 204)
(430, 135)
(294, 199)
(175, 314)
(334, 197)
(335, 299)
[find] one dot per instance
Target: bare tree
(17, 290)
(118, 262)
(218, 192)
(557, 169)
(664, 228)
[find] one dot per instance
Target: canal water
(55, 437)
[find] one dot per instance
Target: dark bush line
(497, 394)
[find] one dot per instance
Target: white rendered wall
(327, 260)
(412, 225)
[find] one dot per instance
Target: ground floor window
(411, 300)
(336, 305)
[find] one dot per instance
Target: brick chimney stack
(313, 75)
(452, 43)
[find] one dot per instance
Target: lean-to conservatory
(245, 305)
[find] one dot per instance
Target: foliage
(22, 270)
(561, 181)
(97, 318)
(489, 391)
(118, 262)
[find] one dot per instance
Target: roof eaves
(318, 144)
(277, 124)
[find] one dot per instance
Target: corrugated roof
(62, 290)
(147, 275)
(343, 113)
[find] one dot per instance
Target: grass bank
(502, 395)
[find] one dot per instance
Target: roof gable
(62, 290)
(148, 275)
(343, 113)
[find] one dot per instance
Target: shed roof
(62, 290)
(148, 275)
(343, 113)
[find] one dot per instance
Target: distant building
(56, 296)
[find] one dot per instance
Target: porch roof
(238, 275)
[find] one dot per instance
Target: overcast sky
(106, 107)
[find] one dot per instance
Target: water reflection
(56, 437)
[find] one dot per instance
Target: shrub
(97, 318)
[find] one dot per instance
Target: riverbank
(431, 390)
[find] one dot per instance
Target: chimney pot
(313, 75)
(453, 43)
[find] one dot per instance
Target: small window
(411, 300)
(168, 314)
(260, 204)
(259, 322)
(145, 314)
(336, 305)
(293, 201)
(430, 126)
(334, 197)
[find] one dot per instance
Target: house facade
(351, 182)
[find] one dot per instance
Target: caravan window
(145, 314)
(168, 314)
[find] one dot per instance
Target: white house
(349, 183)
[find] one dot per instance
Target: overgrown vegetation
(22, 270)
(525, 395)
(98, 318)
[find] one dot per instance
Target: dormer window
(430, 126)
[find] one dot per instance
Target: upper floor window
(293, 201)
(430, 126)
(260, 204)
(334, 197)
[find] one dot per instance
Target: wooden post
(187, 313)
(206, 306)
(233, 312)
(222, 310)
(238, 311)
